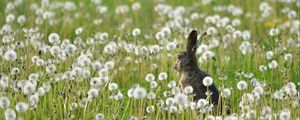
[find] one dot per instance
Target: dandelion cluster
(102, 60)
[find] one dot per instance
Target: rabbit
(191, 74)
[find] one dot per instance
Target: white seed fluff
(139, 93)
(10, 55)
(163, 76)
(21, 106)
(242, 85)
(207, 81)
(181, 98)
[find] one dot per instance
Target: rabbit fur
(191, 74)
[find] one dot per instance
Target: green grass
(56, 103)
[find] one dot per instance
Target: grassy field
(113, 59)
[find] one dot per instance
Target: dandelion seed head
(285, 114)
(273, 32)
(162, 76)
(112, 86)
(130, 92)
(21, 106)
(172, 84)
(242, 85)
(170, 101)
(246, 35)
(33, 76)
(273, 64)
(119, 96)
(33, 100)
(258, 90)
(150, 77)
(150, 109)
(28, 88)
(92, 93)
(78, 31)
(269, 55)
(41, 91)
(262, 68)
(15, 71)
(288, 57)
(173, 109)
(54, 38)
(188, 89)
(210, 117)
(151, 95)
(10, 55)
(51, 68)
(202, 103)
(109, 65)
(207, 81)
(71, 48)
(201, 49)
(181, 98)
(153, 84)
(10, 114)
(226, 92)
(171, 46)
(99, 116)
(4, 102)
(136, 32)
(208, 55)
(136, 6)
(139, 93)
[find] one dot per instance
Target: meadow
(113, 59)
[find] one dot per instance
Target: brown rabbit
(191, 74)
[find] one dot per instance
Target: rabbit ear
(192, 42)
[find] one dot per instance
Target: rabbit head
(187, 60)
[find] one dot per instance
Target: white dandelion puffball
(288, 57)
(226, 93)
(207, 81)
(136, 6)
(112, 86)
(130, 92)
(150, 109)
(150, 77)
(54, 38)
(151, 95)
(92, 93)
(4, 102)
(274, 32)
(153, 84)
(242, 85)
(285, 115)
(139, 93)
(119, 96)
(100, 116)
(262, 68)
(109, 65)
(136, 32)
(10, 55)
(202, 103)
(78, 31)
(173, 109)
(172, 84)
(188, 89)
(163, 76)
(181, 98)
(273, 64)
(170, 101)
(10, 114)
(21, 107)
(269, 55)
